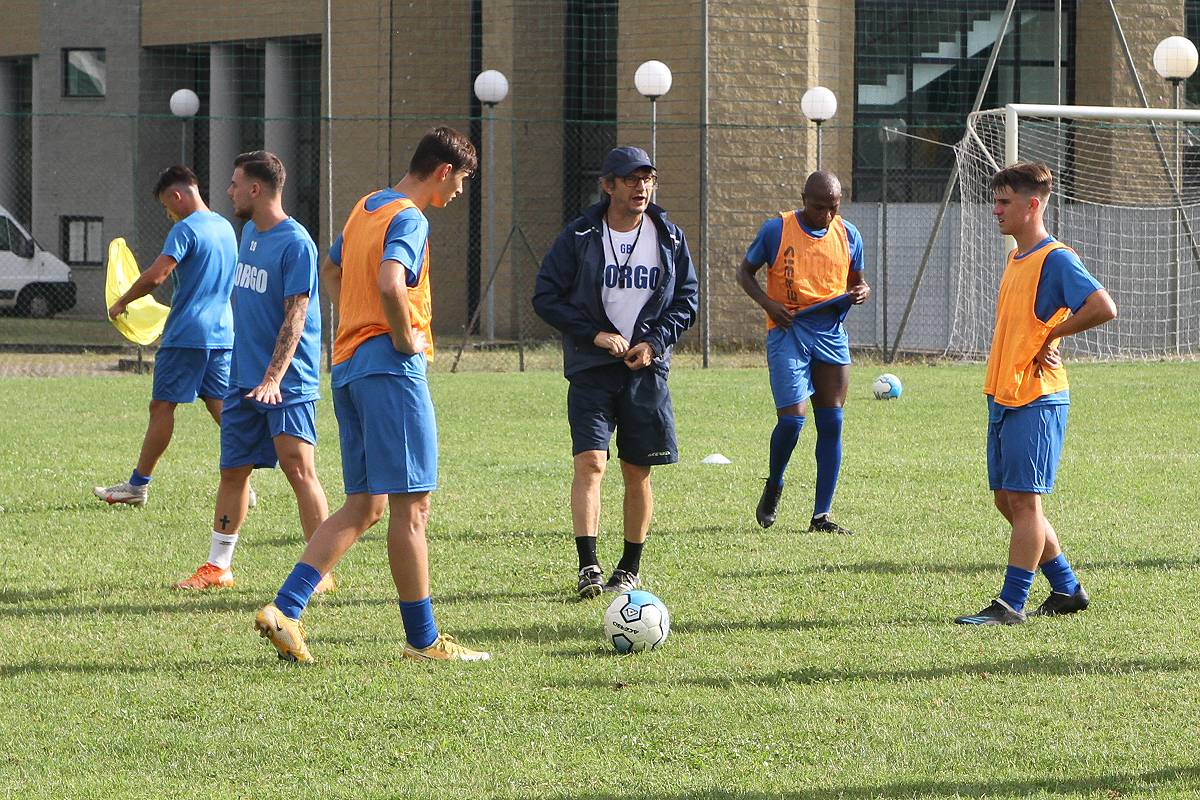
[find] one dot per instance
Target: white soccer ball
(636, 621)
(887, 387)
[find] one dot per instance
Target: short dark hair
(1025, 177)
(172, 176)
(264, 167)
(443, 146)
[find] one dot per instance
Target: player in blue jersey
(269, 414)
(192, 361)
(814, 262)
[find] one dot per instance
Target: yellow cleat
(286, 634)
(444, 648)
(327, 585)
(209, 576)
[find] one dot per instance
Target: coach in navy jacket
(620, 285)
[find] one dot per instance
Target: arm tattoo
(295, 309)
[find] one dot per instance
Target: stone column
(280, 134)
(224, 131)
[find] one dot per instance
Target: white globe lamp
(1175, 58)
(653, 80)
(491, 87)
(818, 104)
(184, 103)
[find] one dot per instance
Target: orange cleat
(327, 585)
(209, 576)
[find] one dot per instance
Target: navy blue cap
(621, 161)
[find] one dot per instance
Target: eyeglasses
(634, 181)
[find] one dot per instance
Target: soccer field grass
(799, 665)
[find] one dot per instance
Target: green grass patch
(799, 666)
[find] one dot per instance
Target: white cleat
(125, 493)
(253, 498)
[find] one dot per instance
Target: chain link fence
(731, 145)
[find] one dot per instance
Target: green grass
(799, 666)
(61, 331)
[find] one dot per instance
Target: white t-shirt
(631, 274)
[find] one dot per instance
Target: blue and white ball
(887, 387)
(636, 621)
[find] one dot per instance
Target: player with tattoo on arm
(269, 415)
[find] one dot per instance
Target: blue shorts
(181, 374)
(388, 435)
(791, 351)
(1023, 447)
(248, 429)
(634, 403)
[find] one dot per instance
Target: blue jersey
(1065, 283)
(765, 247)
(406, 237)
(204, 247)
(407, 234)
(272, 265)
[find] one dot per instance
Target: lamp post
(184, 104)
(1175, 60)
(818, 104)
(653, 80)
(491, 87)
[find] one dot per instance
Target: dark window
(590, 100)
(11, 238)
(1191, 13)
(921, 61)
(83, 73)
(83, 241)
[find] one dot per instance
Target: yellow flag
(145, 317)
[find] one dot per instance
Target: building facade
(342, 91)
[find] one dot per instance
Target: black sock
(585, 546)
(631, 558)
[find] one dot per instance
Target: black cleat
(996, 613)
(591, 582)
(768, 505)
(1059, 603)
(823, 524)
(622, 581)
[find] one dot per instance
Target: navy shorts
(388, 433)
(248, 429)
(1023, 447)
(634, 403)
(181, 374)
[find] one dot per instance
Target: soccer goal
(1126, 198)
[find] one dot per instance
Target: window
(83, 241)
(13, 240)
(590, 99)
(83, 73)
(921, 61)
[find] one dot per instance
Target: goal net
(1126, 198)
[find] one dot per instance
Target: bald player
(814, 261)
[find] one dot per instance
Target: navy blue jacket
(568, 296)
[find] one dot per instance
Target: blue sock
(138, 479)
(1016, 587)
(1061, 576)
(829, 456)
(783, 442)
(297, 589)
(419, 627)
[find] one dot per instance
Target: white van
(32, 281)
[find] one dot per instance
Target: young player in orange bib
(1045, 294)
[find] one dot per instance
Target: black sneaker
(591, 582)
(622, 581)
(997, 613)
(1059, 603)
(768, 505)
(823, 524)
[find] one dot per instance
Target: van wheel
(34, 303)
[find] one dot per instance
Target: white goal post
(1126, 198)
